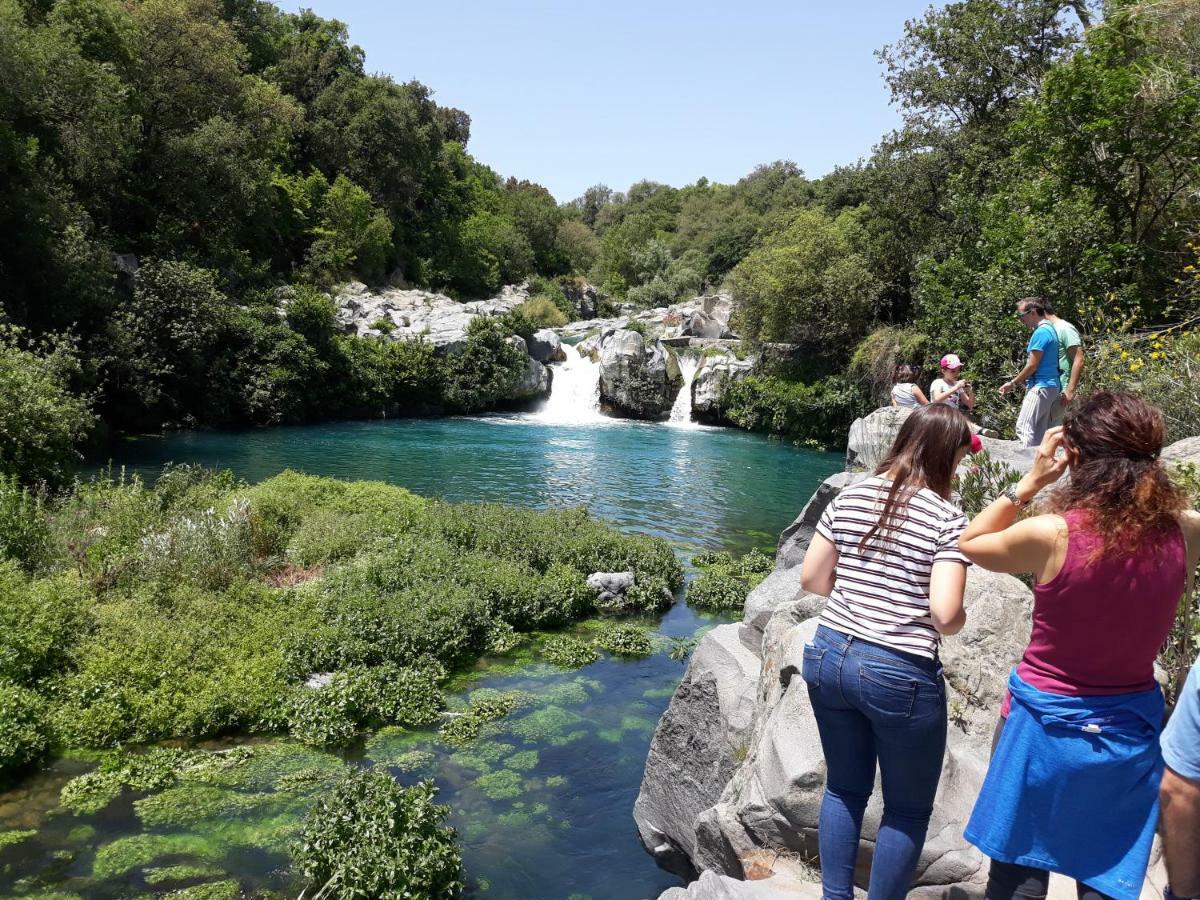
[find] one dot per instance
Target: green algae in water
(186, 805)
(8, 838)
(525, 761)
(166, 874)
(483, 756)
(556, 781)
(546, 724)
(128, 853)
(217, 890)
(662, 693)
(395, 746)
(567, 694)
(502, 784)
(81, 834)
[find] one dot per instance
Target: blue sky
(570, 94)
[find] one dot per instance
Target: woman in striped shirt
(886, 554)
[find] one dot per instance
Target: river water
(544, 806)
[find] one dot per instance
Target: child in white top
(904, 392)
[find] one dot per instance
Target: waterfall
(681, 410)
(574, 392)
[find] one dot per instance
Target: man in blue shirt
(1180, 793)
(1040, 374)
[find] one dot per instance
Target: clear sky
(573, 93)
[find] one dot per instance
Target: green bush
(624, 640)
(486, 370)
(371, 838)
(24, 735)
(543, 312)
(42, 422)
(39, 623)
(821, 412)
(716, 590)
(24, 527)
(486, 706)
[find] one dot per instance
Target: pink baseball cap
(950, 361)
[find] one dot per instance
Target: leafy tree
(352, 235)
(576, 245)
(807, 285)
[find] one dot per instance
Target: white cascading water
(574, 392)
(681, 410)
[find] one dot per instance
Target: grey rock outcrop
(711, 886)
(780, 587)
(546, 347)
(696, 748)
(794, 540)
(584, 298)
(610, 588)
(712, 376)
(872, 436)
(638, 379)
(394, 314)
(1184, 451)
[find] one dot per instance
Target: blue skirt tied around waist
(1073, 787)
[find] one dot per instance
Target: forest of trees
(237, 151)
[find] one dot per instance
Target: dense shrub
(543, 312)
(41, 420)
(724, 582)
(23, 730)
(24, 529)
(624, 640)
(819, 412)
(486, 370)
(39, 622)
(371, 838)
(569, 652)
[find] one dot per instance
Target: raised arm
(995, 540)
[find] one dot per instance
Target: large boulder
(700, 324)
(699, 741)
(584, 298)
(780, 587)
(1184, 451)
(638, 379)
(872, 436)
(546, 347)
(794, 540)
(535, 379)
(714, 374)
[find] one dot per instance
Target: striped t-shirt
(882, 595)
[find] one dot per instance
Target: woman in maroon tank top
(1073, 783)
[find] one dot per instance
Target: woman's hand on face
(1048, 465)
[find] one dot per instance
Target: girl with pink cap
(948, 389)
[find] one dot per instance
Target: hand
(1047, 467)
(1067, 396)
(1006, 388)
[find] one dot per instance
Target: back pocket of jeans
(811, 670)
(886, 691)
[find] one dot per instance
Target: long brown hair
(922, 455)
(1117, 477)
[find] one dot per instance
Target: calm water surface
(544, 804)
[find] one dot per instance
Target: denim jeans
(873, 704)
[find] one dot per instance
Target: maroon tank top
(1098, 625)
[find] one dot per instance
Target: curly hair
(1117, 477)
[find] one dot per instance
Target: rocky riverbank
(735, 773)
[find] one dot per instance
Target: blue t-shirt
(1044, 339)
(1181, 740)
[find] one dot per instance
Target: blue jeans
(873, 703)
